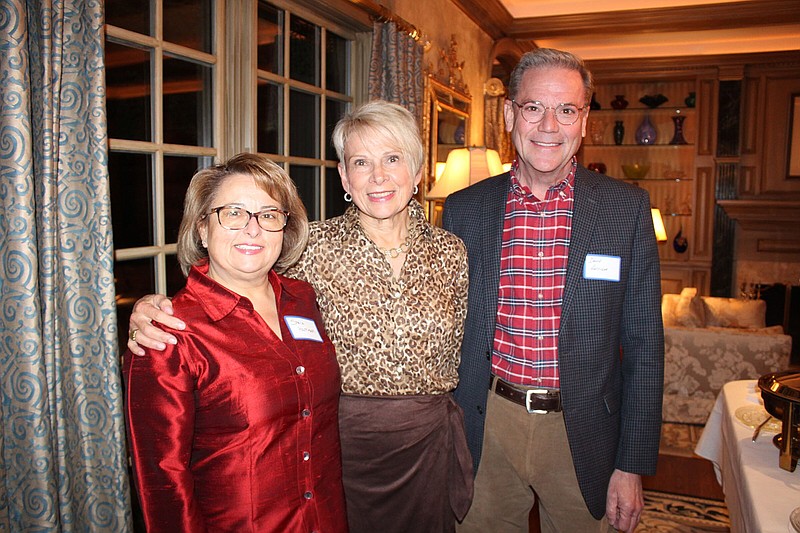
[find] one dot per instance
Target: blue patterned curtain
(395, 70)
(62, 434)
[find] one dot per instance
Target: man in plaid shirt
(562, 362)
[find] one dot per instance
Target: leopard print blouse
(392, 336)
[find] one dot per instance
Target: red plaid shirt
(533, 266)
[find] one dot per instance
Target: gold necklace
(396, 252)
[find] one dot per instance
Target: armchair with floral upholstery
(709, 341)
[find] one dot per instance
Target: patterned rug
(673, 513)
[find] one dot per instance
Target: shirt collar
(217, 301)
(522, 193)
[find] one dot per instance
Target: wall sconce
(464, 167)
(658, 224)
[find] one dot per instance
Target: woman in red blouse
(236, 428)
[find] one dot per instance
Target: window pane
(133, 279)
(188, 23)
(337, 63)
(175, 279)
(187, 103)
(307, 181)
(304, 51)
(303, 124)
(178, 172)
(334, 110)
(131, 177)
(270, 38)
(128, 92)
(334, 194)
(269, 122)
(133, 15)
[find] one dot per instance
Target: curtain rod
(383, 14)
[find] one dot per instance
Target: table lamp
(465, 166)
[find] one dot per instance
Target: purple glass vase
(646, 132)
(677, 137)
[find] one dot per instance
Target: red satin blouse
(233, 429)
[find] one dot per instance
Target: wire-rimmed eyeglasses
(233, 217)
(533, 112)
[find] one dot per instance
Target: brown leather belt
(540, 401)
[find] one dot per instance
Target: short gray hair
(549, 58)
(390, 122)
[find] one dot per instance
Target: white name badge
(605, 267)
(302, 328)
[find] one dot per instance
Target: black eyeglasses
(533, 112)
(233, 218)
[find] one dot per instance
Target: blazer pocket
(612, 403)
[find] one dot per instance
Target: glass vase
(619, 132)
(646, 132)
(677, 137)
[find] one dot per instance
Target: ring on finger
(132, 334)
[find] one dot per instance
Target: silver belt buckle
(528, 394)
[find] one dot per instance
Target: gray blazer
(611, 341)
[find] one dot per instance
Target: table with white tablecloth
(760, 496)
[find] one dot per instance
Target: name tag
(605, 267)
(302, 328)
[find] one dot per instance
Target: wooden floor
(691, 476)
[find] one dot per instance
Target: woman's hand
(143, 332)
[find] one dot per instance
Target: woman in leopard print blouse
(392, 290)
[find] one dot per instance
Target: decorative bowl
(636, 171)
(653, 100)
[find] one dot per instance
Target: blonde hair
(390, 122)
(270, 178)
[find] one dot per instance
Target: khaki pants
(523, 453)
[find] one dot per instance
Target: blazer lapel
(492, 241)
(584, 213)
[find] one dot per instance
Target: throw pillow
(735, 313)
(668, 304)
(689, 311)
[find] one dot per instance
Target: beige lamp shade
(658, 224)
(465, 166)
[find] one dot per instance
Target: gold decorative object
(450, 71)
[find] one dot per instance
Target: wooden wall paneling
(707, 110)
(748, 176)
(777, 112)
(703, 216)
(751, 117)
(701, 280)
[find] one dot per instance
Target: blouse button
(307, 495)
(306, 456)
(306, 413)
(300, 370)
(541, 254)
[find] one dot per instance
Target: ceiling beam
(490, 15)
(494, 19)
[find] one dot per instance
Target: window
(162, 125)
(166, 101)
(304, 87)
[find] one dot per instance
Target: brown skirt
(405, 463)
